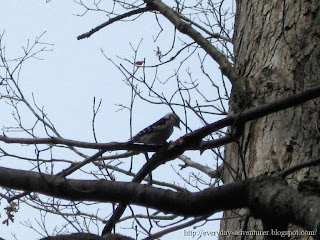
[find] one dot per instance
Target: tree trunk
(277, 49)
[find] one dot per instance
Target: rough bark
(276, 46)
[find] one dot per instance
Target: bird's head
(174, 118)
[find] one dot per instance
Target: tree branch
(267, 197)
(112, 146)
(182, 203)
(251, 114)
(185, 28)
(191, 141)
(189, 163)
(112, 20)
(313, 162)
(273, 201)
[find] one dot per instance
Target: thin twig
(112, 20)
(313, 162)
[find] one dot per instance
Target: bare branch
(189, 163)
(175, 228)
(261, 194)
(112, 146)
(191, 141)
(112, 20)
(313, 162)
(186, 28)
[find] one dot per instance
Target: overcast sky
(74, 72)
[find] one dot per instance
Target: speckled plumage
(158, 132)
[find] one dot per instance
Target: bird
(159, 132)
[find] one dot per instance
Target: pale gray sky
(74, 72)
